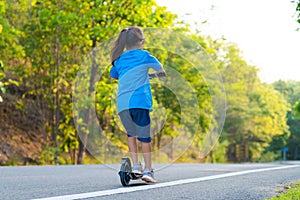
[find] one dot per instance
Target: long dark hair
(128, 37)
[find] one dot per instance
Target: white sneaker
(148, 176)
(137, 168)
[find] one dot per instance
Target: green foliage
(59, 52)
(4, 84)
(9, 46)
(291, 191)
(219, 152)
(297, 11)
(255, 111)
(294, 139)
(296, 110)
(291, 91)
(48, 156)
(270, 156)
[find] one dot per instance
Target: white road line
(160, 185)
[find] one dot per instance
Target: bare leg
(133, 149)
(146, 149)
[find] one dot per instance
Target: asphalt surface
(24, 183)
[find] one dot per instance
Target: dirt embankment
(20, 132)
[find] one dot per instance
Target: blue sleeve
(114, 73)
(154, 63)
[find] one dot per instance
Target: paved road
(178, 181)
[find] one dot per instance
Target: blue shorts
(137, 123)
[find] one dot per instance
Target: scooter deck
(134, 176)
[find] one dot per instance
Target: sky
(264, 30)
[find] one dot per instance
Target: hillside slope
(20, 132)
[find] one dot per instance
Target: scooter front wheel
(125, 171)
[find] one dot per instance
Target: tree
(296, 109)
(11, 51)
(291, 91)
(255, 112)
(297, 11)
(57, 36)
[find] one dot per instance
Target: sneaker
(137, 168)
(148, 176)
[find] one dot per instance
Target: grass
(291, 192)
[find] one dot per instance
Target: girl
(134, 100)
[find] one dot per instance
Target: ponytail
(118, 46)
(128, 37)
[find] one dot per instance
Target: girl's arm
(160, 73)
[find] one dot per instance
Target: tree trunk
(88, 114)
(82, 148)
(56, 100)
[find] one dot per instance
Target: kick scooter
(126, 173)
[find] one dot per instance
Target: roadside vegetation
(290, 192)
(43, 48)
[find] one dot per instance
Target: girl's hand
(160, 73)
